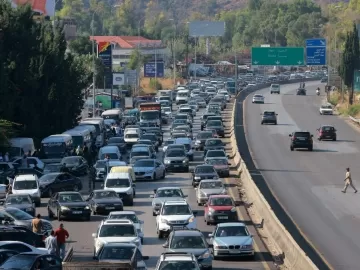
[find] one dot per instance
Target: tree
(7, 131)
(350, 60)
(81, 45)
(135, 59)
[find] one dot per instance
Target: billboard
(206, 29)
(105, 54)
(45, 7)
(150, 69)
(118, 78)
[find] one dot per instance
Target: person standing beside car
(61, 236)
(37, 224)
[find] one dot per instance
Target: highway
(80, 232)
(308, 184)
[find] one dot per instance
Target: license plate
(176, 166)
(301, 139)
(178, 227)
(109, 208)
(234, 251)
(223, 217)
(77, 212)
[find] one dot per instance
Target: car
(33, 260)
(220, 208)
(258, 99)
(274, 88)
(326, 109)
(208, 187)
(54, 182)
(22, 234)
(32, 161)
(232, 239)
(190, 241)
(130, 215)
(214, 109)
(116, 231)
(181, 122)
(100, 167)
(176, 160)
(104, 201)
(216, 125)
(204, 118)
(178, 260)
(326, 133)
(194, 107)
(77, 165)
(23, 202)
(269, 117)
(324, 80)
(187, 110)
(213, 144)
(27, 184)
(7, 169)
(301, 92)
(174, 214)
(52, 167)
(202, 172)
(183, 129)
(29, 171)
(150, 148)
(21, 247)
(187, 143)
(140, 153)
(201, 138)
(221, 166)
(201, 102)
(113, 163)
(167, 143)
(68, 205)
(164, 194)
(6, 254)
(119, 142)
(149, 169)
(301, 140)
(215, 154)
(15, 216)
(153, 138)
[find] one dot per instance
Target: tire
(131, 203)
(319, 139)
(153, 177)
(160, 234)
(50, 193)
(154, 215)
(275, 123)
(76, 188)
(163, 176)
(291, 148)
(198, 203)
(191, 158)
(310, 148)
(88, 218)
(262, 122)
(142, 241)
(38, 204)
(50, 214)
(187, 169)
(334, 139)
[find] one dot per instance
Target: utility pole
(195, 59)
(156, 67)
(93, 63)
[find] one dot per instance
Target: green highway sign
(277, 56)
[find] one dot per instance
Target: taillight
(293, 138)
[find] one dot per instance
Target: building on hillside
(123, 46)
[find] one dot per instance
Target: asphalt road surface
(308, 184)
(80, 232)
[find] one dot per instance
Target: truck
(129, 103)
(150, 112)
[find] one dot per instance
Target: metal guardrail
(69, 255)
(354, 120)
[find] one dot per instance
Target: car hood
(108, 200)
(221, 167)
(206, 175)
(20, 206)
(74, 204)
(143, 169)
(164, 199)
(222, 208)
(174, 158)
(326, 109)
(27, 223)
(234, 240)
(195, 251)
(177, 217)
(118, 239)
(212, 191)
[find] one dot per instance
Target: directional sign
(277, 56)
(316, 52)
(152, 68)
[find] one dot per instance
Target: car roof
(220, 196)
(210, 180)
(231, 224)
(188, 233)
(115, 244)
(26, 177)
(122, 212)
(68, 192)
(163, 188)
(176, 202)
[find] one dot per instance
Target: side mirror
(206, 205)
(237, 203)
(261, 114)
(166, 245)
(93, 235)
(133, 185)
(312, 135)
(211, 235)
(151, 196)
(155, 190)
(277, 114)
(2, 202)
(185, 196)
(195, 213)
(290, 135)
(141, 221)
(102, 185)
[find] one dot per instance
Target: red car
(220, 208)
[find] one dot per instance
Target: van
(182, 96)
(132, 135)
(90, 128)
(57, 146)
(115, 114)
(21, 146)
(111, 150)
(124, 169)
(123, 184)
(79, 137)
(100, 129)
(187, 142)
(27, 184)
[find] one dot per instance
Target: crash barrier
(293, 257)
(69, 255)
(357, 121)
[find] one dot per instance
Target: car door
(52, 262)
(68, 182)
(158, 168)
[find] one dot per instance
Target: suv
(275, 89)
(27, 184)
(269, 117)
(177, 260)
(172, 215)
(116, 231)
(326, 133)
(326, 109)
(191, 241)
(301, 139)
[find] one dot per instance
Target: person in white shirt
(51, 243)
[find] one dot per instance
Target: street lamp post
(93, 63)
(173, 51)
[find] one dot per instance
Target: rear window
(302, 134)
(269, 113)
(275, 86)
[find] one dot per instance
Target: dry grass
(167, 83)
(343, 106)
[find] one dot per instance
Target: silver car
(207, 188)
(165, 194)
(149, 169)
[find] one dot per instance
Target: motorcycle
(318, 92)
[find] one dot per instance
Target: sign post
(277, 56)
(316, 52)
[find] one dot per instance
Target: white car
(17, 245)
(326, 109)
(116, 231)
(224, 93)
(174, 214)
(27, 184)
(258, 99)
(167, 111)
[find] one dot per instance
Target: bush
(354, 110)
(155, 84)
(334, 98)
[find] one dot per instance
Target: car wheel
(275, 123)
(310, 148)
(199, 203)
(160, 234)
(50, 192)
(163, 175)
(319, 138)
(50, 214)
(76, 188)
(187, 169)
(131, 203)
(38, 204)
(291, 148)
(142, 241)
(153, 177)
(262, 122)
(334, 139)
(191, 158)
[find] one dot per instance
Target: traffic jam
(152, 138)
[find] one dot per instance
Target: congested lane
(308, 184)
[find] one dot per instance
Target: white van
(132, 135)
(79, 137)
(27, 184)
(21, 146)
(182, 96)
(115, 114)
(123, 184)
(111, 150)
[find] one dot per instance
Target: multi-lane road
(308, 184)
(80, 232)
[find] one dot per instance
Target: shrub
(155, 84)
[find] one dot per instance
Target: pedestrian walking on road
(61, 236)
(51, 243)
(37, 224)
(348, 181)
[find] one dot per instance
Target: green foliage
(40, 84)
(135, 60)
(81, 45)
(354, 110)
(155, 84)
(7, 131)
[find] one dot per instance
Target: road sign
(277, 56)
(118, 78)
(357, 81)
(150, 70)
(316, 52)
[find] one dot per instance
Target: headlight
(224, 191)
(64, 208)
(191, 219)
(246, 247)
(198, 142)
(205, 255)
(158, 204)
(197, 177)
(203, 194)
(164, 221)
(129, 192)
(185, 160)
(149, 171)
(211, 210)
(87, 207)
(167, 161)
(233, 209)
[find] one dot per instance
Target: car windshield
(52, 167)
(149, 115)
(115, 140)
(215, 154)
(326, 107)
(47, 178)
(144, 163)
(163, 193)
(269, 113)
(213, 142)
(211, 185)
(231, 231)
(105, 194)
(169, 142)
(131, 217)
(171, 265)
(110, 155)
(214, 123)
(151, 137)
(258, 96)
(147, 142)
(218, 162)
(204, 135)
(26, 184)
(100, 164)
(18, 214)
(170, 210)
(70, 160)
(117, 253)
(117, 230)
(131, 135)
(327, 129)
(175, 153)
(18, 199)
(221, 201)
(140, 154)
(187, 242)
(302, 134)
(117, 183)
(166, 109)
(204, 169)
(74, 197)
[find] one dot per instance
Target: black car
(202, 172)
(32, 260)
(7, 169)
(21, 233)
(68, 205)
(326, 133)
(157, 131)
(301, 139)
(22, 202)
(119, 142)
(104, 201)
(201, 138)
(204, 118)
(153, 138)
(216, 125)
(213, 144)
(52, 167)
(301, 92)
(6, 254)
(77, 165)
(55, 182)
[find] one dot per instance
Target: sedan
(22, 202)
(167, 143)
(55, 182)
(215, 154)
(69, 205)
(165, 194)
(207, 188)
(119, 142)
(258, 99)
(201, 102)
(202, 172)
(213, 144)
(149, 169)
(220, 208)
(201, 138)
(176, 160)
(186, 129)
(77, 165)
(104, 201)
(153, 138)
(326, 133)
(221, 165)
